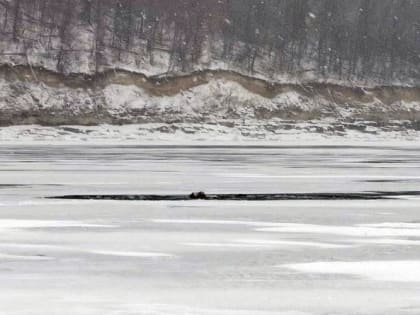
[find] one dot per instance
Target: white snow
(292, 243)
(386, 241)
(225, 245)
(368, 230)
(396, 271)
(213, 222)
(394, 225)
(211, 134)
(356, 231)
(6, 257)
(31, 224)
(129, 254)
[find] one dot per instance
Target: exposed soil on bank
(33, 95)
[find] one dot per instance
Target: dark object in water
(201, 195)
(247, 197)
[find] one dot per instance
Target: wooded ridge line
(375, 41)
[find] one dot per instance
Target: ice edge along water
(212, 136)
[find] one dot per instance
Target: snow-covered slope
(204, 66)
(212, 102)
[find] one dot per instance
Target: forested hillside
(255, 67)
(363, 41)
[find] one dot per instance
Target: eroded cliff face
(31, 95)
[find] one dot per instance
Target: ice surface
(130, 254)
(21, 224)
(268, 244)
(208, 257)
(6, 257)
(361, 230)
(399, 271)
(389, 241)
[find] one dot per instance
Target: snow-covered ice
(130, 254)
(359, 230)
(398, 271)
(251, 134)
(208, 257)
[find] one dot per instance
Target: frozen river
(65, 257)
